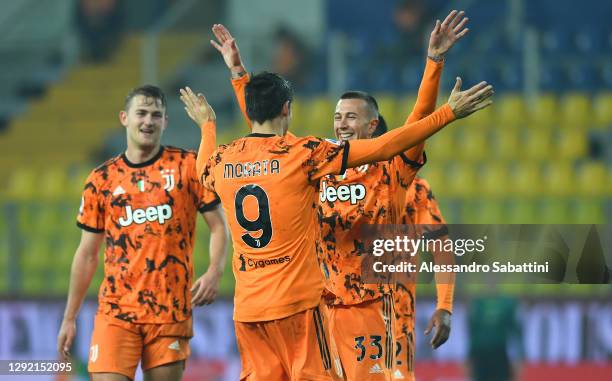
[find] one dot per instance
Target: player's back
(268, 186)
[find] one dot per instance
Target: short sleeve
(91, 212)
(325, 157)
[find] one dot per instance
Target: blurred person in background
(291, 58)
(356, 118)
(495, 338)
(409, 19)
(143, 204)
(100, 24)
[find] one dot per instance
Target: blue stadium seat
(582, 76)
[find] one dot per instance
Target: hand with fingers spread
(463, 103)
(197, 107)
(65, 338)
(226, 45)
(446, 34)
(205, 288)
(441, 321)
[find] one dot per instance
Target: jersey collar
(260, 135)
(144, 163)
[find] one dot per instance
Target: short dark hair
(148, 91)
(372, 105)
(265, 95)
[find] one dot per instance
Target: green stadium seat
(554, 211)
(591, 179)
(22, 184)
(521, 211)
(559, 178)
(576, 111)
(602, 110)
(544, 111)
(588, 211)
(571, 144)
(509, 110)
(482, 211)
(433, 173)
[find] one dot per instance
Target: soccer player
(228, 48)
(421, 209)
(143, 204)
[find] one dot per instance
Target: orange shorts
(364, 334)
(294, 348)
(117, 346)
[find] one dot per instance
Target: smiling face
(354, 119)
(144, 119)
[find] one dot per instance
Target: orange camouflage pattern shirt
(147, 212)
(268, 188)
(371, 194)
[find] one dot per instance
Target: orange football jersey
(268, 188)
(371, 194)
(147, 212)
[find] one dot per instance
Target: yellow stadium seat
(505, 143)
(602, 110)
(471, 143)
(53, 182)
(319, 112)
(482, 211)
(404, 107)
(521, 211)
(22, 184)
(493, 179)
(441, 146)
(526, 179)
(461, 180)
(572, 144)
(484, 118)
(387, 107)
(299, 121)
(559, 178)
(433, 173)
(576, 111)
(536, 143)
(509, 110)
(544, 111)
(591, 179)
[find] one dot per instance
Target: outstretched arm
(443, 37)
(204, 116)
(460, 104)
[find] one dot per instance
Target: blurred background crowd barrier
(541, 154)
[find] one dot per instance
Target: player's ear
(286, 109)
(123, 118)
(372, 126)
(165, 123)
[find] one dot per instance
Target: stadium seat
(22, 184)
(320, 116)
(544, 111)
(493, 179)
(404, 107)
(588, 211)
(433, 173)
(482, 211)
(575, 111)
(441, 146)
(591, 179)
(387, 107)
(602, 110)
(571, 144)
(509, 110)
(536, 143)
(471, 143)
(461, 180)
(484, 118)
(559, 178)
(53, 182)
(525, 179)
(299, 121)
(521, 211)
(505, 143)
(553, 211)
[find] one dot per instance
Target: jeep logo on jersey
(351, 192)
(159, 213)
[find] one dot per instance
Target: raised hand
(463, 103)
(446, 34)
(197, 107)
(226, 45)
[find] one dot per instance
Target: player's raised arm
(84, 265)
(204, 116)
(460, 104)
(443, 37)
